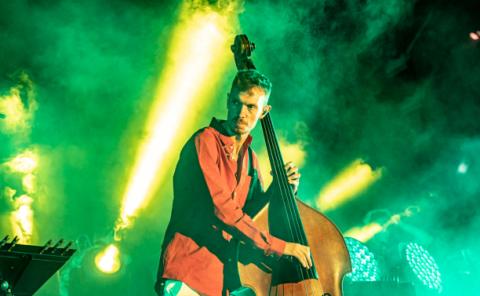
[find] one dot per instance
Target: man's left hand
(293, 175)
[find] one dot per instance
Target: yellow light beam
(28, 183)
(22, 218)
(367, 232)
(13, 109)
(197, 56)
(25, 162)
(364, 233)
(356, 178)
(18, 115)
(293, 152)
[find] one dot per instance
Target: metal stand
(24, 268)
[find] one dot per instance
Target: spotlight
(423, 266)
(108, 261)
(364, 265)
(462, 168)
(475, 36)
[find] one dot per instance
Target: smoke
(17, 179)
(394, 84)
(94, 65)
(17, 108)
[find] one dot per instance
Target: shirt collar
(217, 124)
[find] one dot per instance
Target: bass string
(290, 198)
(287, 195)
(269, 145)
(247, 63)
(273, 160)
(281, 178)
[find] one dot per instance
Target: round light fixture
(423, 266)
(364, 265)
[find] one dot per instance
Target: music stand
(25, 268)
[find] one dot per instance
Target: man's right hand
(301, 252)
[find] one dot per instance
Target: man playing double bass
(217, 191)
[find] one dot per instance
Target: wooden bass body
(329, 252)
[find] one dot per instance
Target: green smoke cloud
(393, 83)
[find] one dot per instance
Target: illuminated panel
(423, 266)
(352, 181)
(364, 265)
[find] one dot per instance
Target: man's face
(244, 109)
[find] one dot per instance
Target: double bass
(294, 221)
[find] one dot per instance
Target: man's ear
(265, 111)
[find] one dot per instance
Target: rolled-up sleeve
(225, 208)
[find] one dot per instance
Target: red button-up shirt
(210, 205)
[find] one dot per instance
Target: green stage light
(364, 265)
(423, 266)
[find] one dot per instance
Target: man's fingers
(292, 174)
(294, 179)
(299, 252)
(294, 182)
(308, 258)
(295, 175)
(310, 263)
(292, 170)
(303, 261)
(289, 166)
(304, 257)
